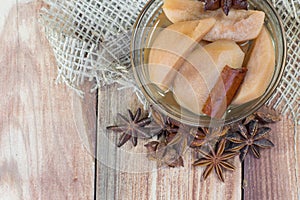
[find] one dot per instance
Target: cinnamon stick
(223, 92)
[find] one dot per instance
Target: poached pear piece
(261, 66)
(199, 74)
(239, 25)
(183, 10)
(172, 46)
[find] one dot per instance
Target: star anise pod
(252, 137)
(217, 160)
(264, 116)
(165, 125)
(226, 5)
(151, 149)
(164, 154)
(170, 150)
(182, 139)
(132, 128)
(208, 135)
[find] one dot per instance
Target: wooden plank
(276, 174)
(126, 173)
(41, 154)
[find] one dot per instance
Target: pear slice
(225, 52)
(200, 72)
(171, 46)
(183, 10)
(261, 66)
(239, 25)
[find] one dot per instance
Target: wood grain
(276, 175)
(41, 153)
(126, 173)
(47, 138)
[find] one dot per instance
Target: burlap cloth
(91, 42)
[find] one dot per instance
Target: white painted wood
(41, 154)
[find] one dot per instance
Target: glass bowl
(143, 30)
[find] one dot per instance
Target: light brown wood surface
(48, 138)
(276, 175)
(41, 154)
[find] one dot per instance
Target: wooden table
(48, 136)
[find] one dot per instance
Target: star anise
(165, 125)
(170, 150)
(250, 136)
(132, 128)
(151, 149)
(217, 160)
(226, 5)
(182, 139)
(208, 135)
(264, 116)
(164, 154)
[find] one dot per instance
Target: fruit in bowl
(212, 55)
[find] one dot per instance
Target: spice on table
(252, 137)
(164, 154)
(266, 117)
(151, 149)
(182, 139)
(165, 125)
(208, 136)
(217, 160)
(132, 128)
(169, 150)
(217, 145)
